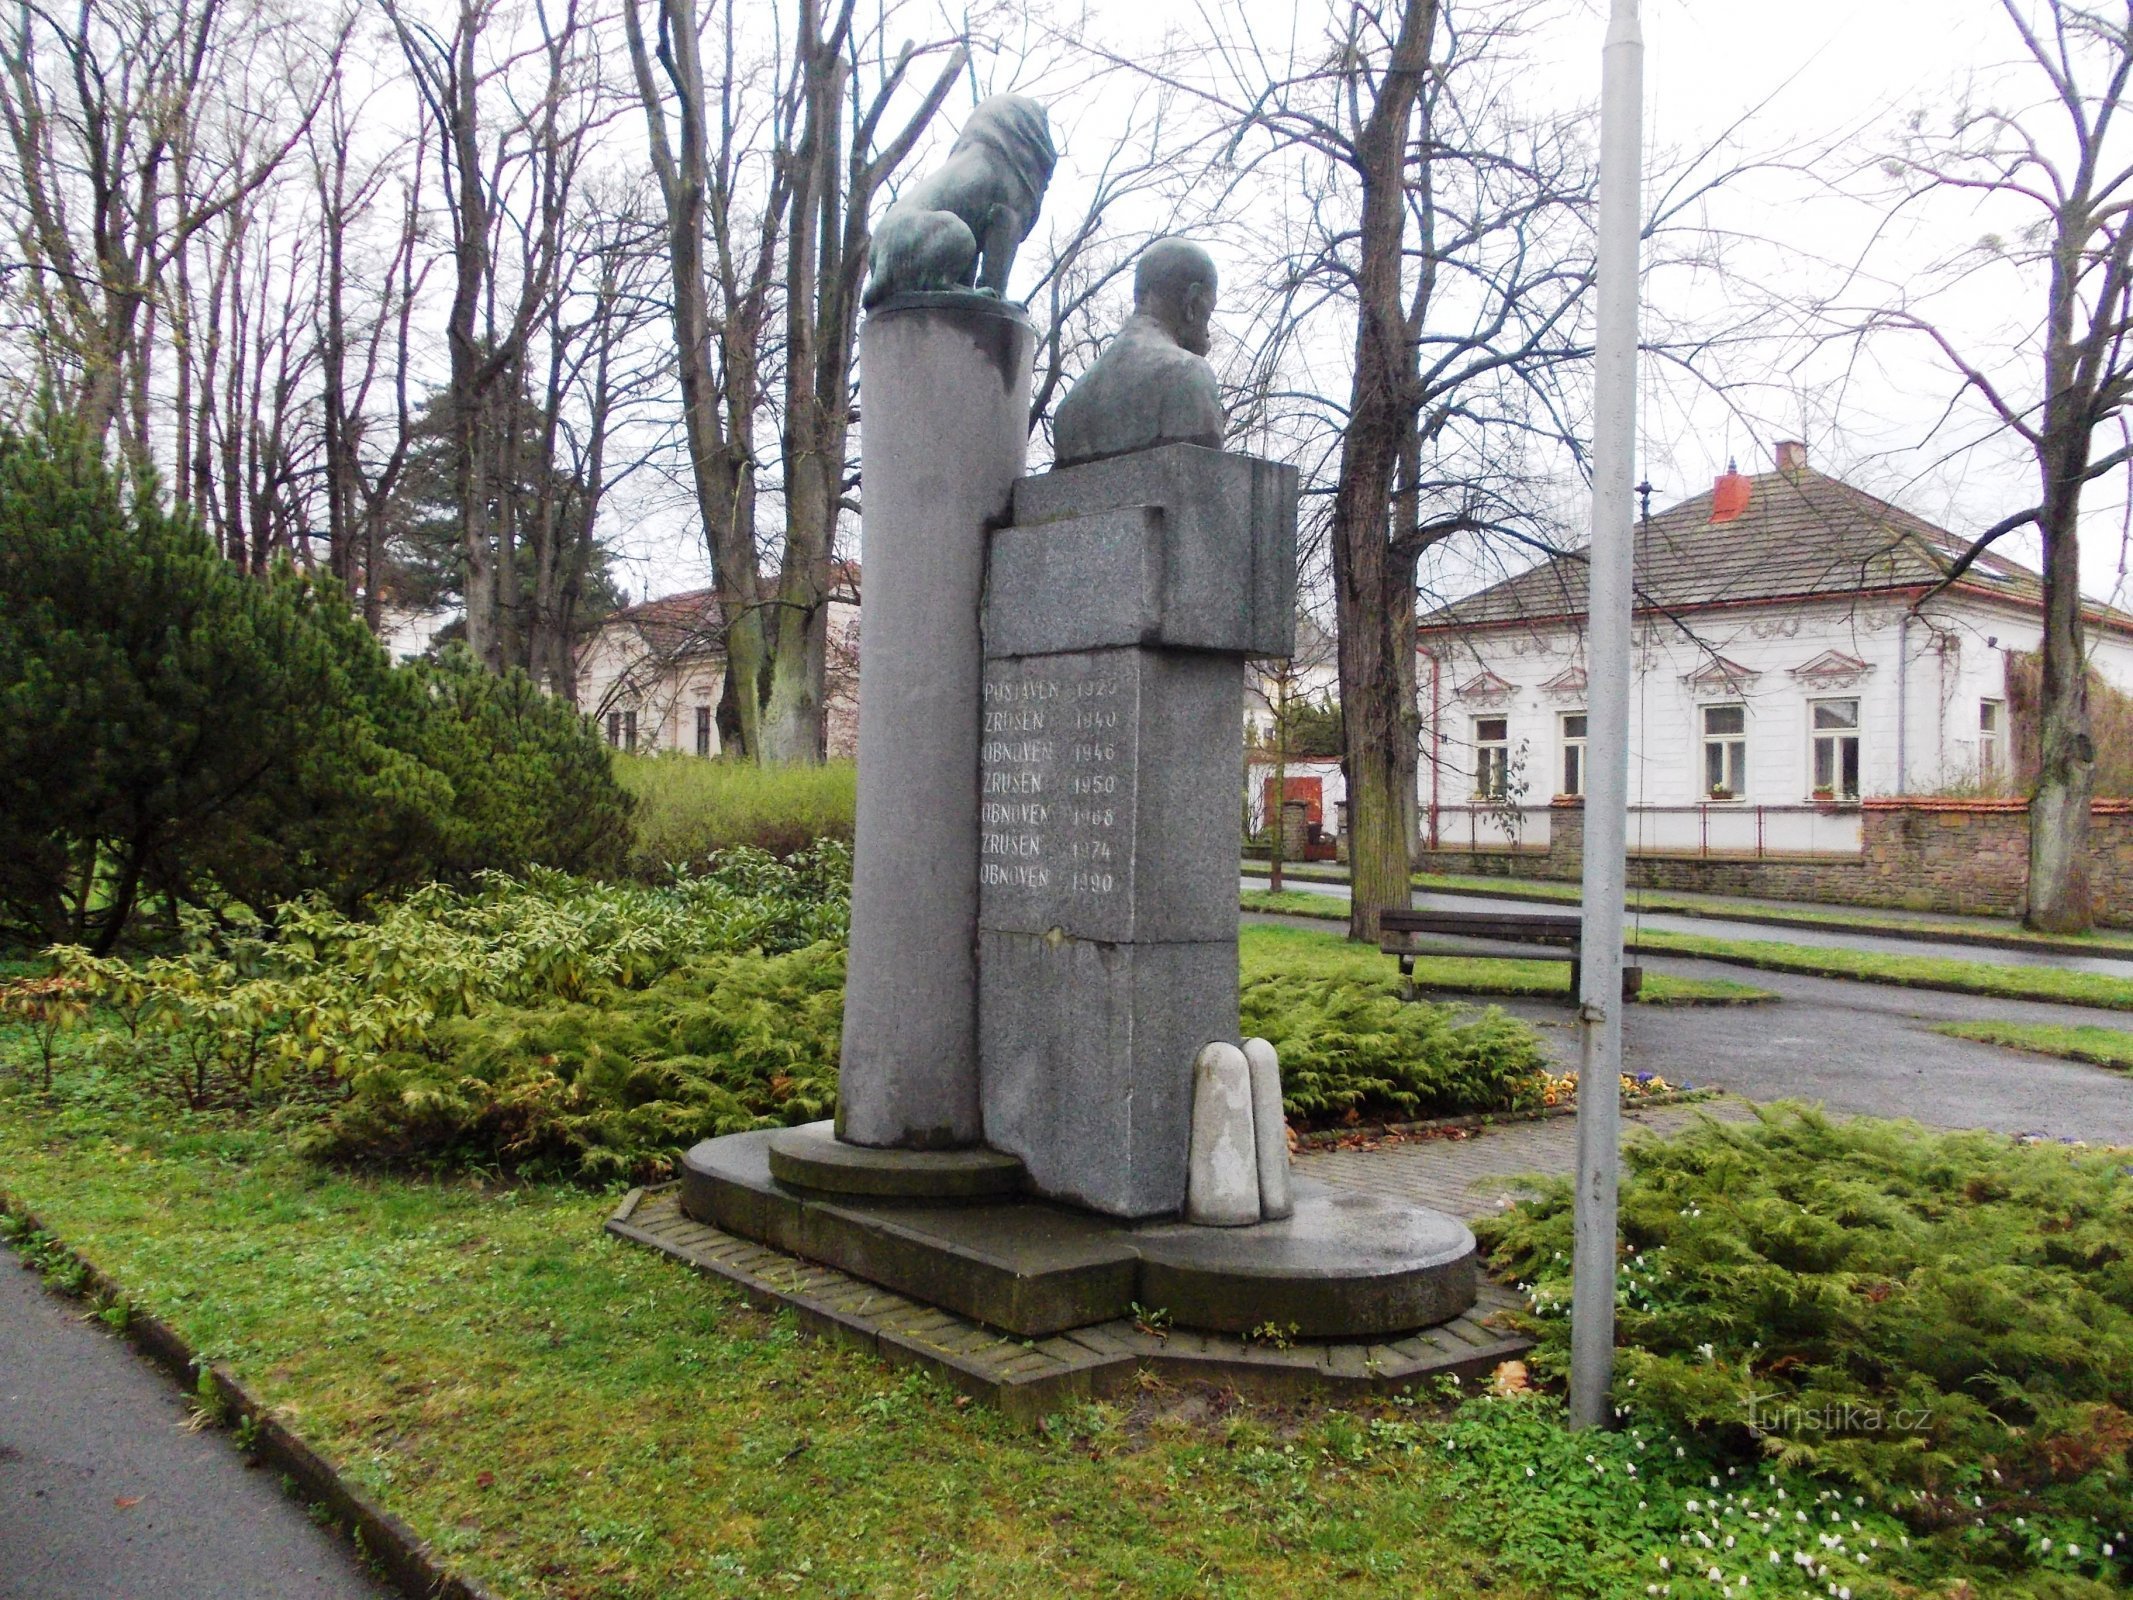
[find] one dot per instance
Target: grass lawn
(1866, 919)
(1912, 972)
(565, 1416)
(1280, 949)
(1821, 961)
(2103, 1047)
(568, 1415)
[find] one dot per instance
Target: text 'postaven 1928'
(1055, 811)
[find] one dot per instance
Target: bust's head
(1174, 283)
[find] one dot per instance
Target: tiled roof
(688, 623)
(673, 624)
(1802, 534)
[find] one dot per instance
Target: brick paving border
(1029, 1378)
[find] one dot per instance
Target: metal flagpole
(1592, 1304)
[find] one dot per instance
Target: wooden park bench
(1539, 936)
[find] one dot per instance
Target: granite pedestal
(1119, 610)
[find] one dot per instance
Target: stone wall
(1921, 855)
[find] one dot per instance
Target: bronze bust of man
(1152, 385)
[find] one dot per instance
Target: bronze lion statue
(958, 227)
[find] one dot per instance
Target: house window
(703, 730)
(1492, 757)
(614, 729)
(1836, 738)
(1573, 753)
(1725, 751)
(1991, 726)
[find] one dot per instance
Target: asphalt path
(104, 1495)
(1869, 1049)
(1718, 928)
(1859, 1048)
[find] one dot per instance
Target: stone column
(944, 393)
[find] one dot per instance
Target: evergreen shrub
(176, 733)
(1941, 1321)
(1352, 1049)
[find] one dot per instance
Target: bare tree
(2061, 169)
(132, 127)
(721, 300)
(507, 189)
(1420, 210)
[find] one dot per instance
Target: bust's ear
(1199, 302)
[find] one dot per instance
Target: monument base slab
(1030, 1378)
(1347, 1265)
(813, 1157)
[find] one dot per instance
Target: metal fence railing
(1721, 828)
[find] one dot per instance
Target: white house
(651, 674)
(1794, 652)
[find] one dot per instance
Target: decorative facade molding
(1486, 689)
(1721, 673)
(1832, 669)
(1567, 685)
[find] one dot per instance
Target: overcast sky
(1837, 74)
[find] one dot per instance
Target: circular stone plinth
(1347, 1265)
(814, 1158)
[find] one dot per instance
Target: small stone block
(1271, 1131)
(1222, 1187)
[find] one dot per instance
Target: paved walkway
(1465, 1176)
(105, 1496)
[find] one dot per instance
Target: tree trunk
(2059, 806)
(2059, 899)
(722, 468)
(1366, 575)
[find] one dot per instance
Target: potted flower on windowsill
(1825, 796)
(1720, 792)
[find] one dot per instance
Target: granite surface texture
(946, 389)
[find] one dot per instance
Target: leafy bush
(594, 1030)
(1943, 1321)
(233, 1018)
(174, 732)
(690, 809)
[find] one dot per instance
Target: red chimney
(1729, 494)
(1792, 457)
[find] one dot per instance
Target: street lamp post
(1599, 1127)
